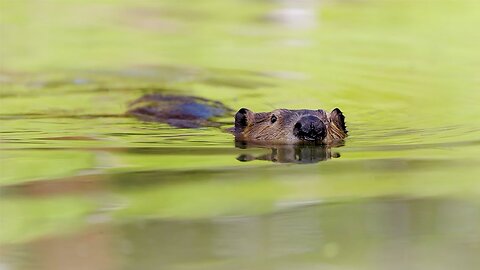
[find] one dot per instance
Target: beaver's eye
(273, 119)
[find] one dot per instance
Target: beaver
(285, 126)
(280, 126)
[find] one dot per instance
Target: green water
(84, 187)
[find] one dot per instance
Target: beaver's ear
(241, 119)
(337, 117)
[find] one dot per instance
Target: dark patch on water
(178, 111)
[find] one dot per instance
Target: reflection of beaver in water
(284, 126)
(288, 153)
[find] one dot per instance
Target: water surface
(85, 187)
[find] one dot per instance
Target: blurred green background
(82, 186)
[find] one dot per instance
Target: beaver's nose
(310, 128)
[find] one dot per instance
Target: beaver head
(284, 126)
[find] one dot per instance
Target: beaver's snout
(310, 128)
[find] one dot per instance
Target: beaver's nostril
(298, 126)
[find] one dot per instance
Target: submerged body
(285, 126)
(178, 111)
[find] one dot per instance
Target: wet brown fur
(258, 127)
